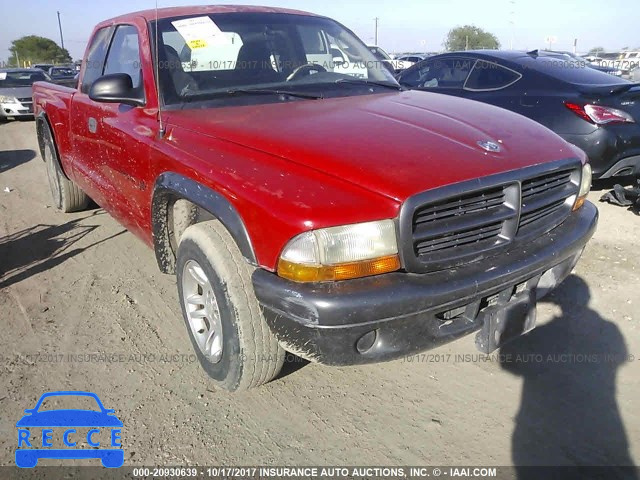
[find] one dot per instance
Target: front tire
(66, 195)
(231, 338)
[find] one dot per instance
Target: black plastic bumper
(625, 166)
(612, 150)
(389, 316)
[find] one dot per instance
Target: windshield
(203, 57)
(23, 78)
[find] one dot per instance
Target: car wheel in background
(231, 338)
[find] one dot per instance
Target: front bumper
(16, 110)
(613, 150)
(389, 316)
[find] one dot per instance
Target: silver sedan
(15, 91)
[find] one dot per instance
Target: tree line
(35, 49)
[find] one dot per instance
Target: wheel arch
(41, 120)
(196, 203)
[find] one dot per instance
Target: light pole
(376, 34)
(512, 21)
(60, 27)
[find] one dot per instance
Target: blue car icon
(68, 419)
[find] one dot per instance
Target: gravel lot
(72, 285)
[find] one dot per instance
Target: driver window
(124, 54)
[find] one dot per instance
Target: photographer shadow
(568, 413)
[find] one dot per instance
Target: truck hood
(395, 144)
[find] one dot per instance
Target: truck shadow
(14, 158)
(41, 247)
(568, 412)
(292, 363)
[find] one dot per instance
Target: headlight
(4, 99)
(585, 186)
(340, 253)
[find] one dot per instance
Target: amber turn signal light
(342, 271)
(579, 202)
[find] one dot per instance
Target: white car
(395, 65)
(342, 63)
(413, 57)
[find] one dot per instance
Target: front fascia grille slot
(468, 203)
(463, 222)
(474, 235)
(540, 213)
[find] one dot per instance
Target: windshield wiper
(362, 81)
(267, 91)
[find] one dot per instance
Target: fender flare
(170, 184)
(42, 120)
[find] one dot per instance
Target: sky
(404, 25)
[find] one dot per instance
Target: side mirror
(116, 88)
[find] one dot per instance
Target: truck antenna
(161, 131)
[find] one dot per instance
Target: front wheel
(231, 338)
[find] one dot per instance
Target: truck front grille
(469, 221)
(465, 222)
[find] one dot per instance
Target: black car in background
(63, 75)
(598, 112)
(43, 66)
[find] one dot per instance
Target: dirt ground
(84, 307)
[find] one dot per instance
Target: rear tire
(230, 336)
(66, 195)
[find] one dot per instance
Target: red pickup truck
(305, 209)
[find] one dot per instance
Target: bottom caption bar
(323, 472)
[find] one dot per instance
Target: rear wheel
(231, 338)
(66, 195)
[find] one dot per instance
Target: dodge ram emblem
(489, 146)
